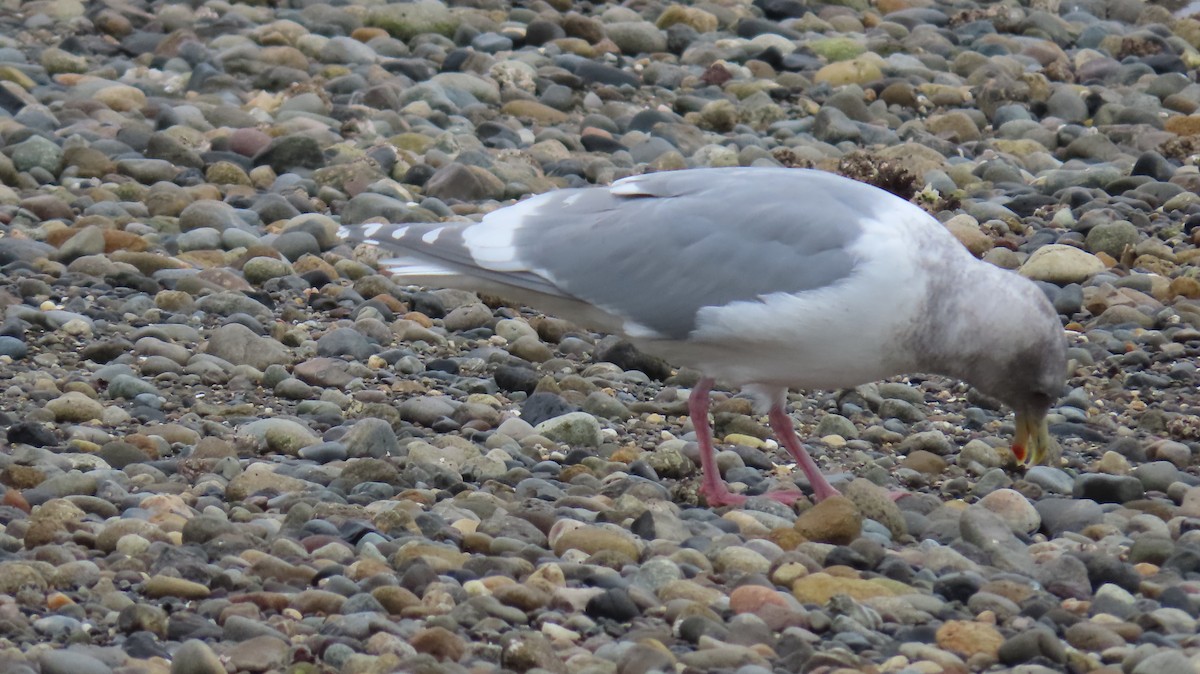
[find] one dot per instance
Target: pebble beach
(232, 445)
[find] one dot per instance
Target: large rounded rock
(74, 406)
(575, 429)
(208, 213)
(1111, 238)
(239, 345)
(465, 183)
(970, 638)
(835, 520)
(37, 152)
(1016, 511)
(407, 20)
(1061, 264)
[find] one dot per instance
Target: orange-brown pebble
(416, 496)
(476, 542)
(1009, 589)
(751, 598)
(595, 131)
(969, 638)
(570, 472)
(268, 601)
(841, 571)
(367, 33)
(627, 454)
(144, 443)
(317, 602)
(889, 6)
(13, 498)
(395, 305)
(819, 588)
(240, 610)
(419, 318)
(492, 583)
(21, 477)
(835, 520)
(395, 599)
(116, 239)
(1185, 286)
(57, 600)
(439, 642)
(787, 539)
(366, 568)
(1076, 606)
(311, 262)
(524, 597)
(1183, 126)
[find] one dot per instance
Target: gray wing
(653, 250)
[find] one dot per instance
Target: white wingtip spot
(639, 331)
(399, 232)
(626, 187)
(369, 230)
(492, 241)
(406, 266)
(432, 235)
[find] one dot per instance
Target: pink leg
(712, 488)
(781, 423)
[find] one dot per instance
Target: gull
(768, 279)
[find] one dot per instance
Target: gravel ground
(233, 446)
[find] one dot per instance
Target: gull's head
(1030, 382)
(1014, 350)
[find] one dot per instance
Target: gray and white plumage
(767, 278)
